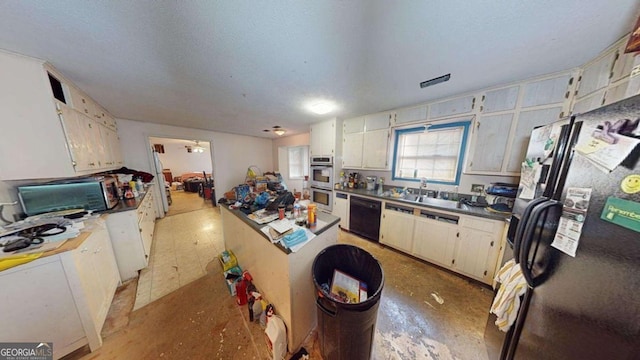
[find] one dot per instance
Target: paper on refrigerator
(574, 212)
(603, 146)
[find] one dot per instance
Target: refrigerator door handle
(527, 239)
(524, 220)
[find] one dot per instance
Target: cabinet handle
(97, 250)
(92, 164)
(491, 246)
(453, 261)
(84, 250)
(485, 273)
(140, 229)
(458, 235)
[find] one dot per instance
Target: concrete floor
(425, 312)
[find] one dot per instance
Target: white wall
(232, 154)
(179, 161)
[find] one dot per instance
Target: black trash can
(346, 331)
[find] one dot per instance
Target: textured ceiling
(245, 66)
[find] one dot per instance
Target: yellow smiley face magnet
(631, 184)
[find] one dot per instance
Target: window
(434, 152)
(298, 162)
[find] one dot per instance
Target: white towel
(507, 300)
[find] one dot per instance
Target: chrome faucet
(423, 183)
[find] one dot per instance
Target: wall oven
(322, 172)
(322, 182)
(323, 198)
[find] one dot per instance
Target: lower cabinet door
(435, 241)
(396, 230)
(38, 306)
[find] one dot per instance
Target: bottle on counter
(311, 214)
(139, 185)
(128, 194)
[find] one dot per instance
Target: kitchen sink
(450, 204)
(423, 199)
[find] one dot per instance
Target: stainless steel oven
(322, 182)
(322, 172)
(323, 198)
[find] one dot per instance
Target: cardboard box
(227, 260)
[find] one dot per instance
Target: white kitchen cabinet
(500, 99)
(451, 107)
(112, 154)
(478, 248)
(341, 208)
(551, 90)
(353, 126)
(410, 115)
(375, 149)
(527, 120)
(595, 75)
(78, 139)
(323, 138)
(82, 103)
(62, 298)
(36, 129)
(352, 150)
(377, 121)
(490, 137)
(366, 142)
(396, 228)
(93, 276)
(435, 241)
(131, 236)
(590, 102)
(38, 305)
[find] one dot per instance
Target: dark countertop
(128, 204)
(469, 210)
(323, 217)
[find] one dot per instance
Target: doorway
(186, 168)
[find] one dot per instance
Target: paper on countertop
(33, 249)
(295, 248)
(283, 225)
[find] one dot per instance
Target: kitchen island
(284, 278)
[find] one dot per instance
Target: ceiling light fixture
(197, 148)
(278, 130)
(321, 107)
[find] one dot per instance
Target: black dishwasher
(364, 217)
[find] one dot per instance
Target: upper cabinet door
(323, 138)
(375, 149)
(352, 150)
(527, 120)
(491, 133)
(377, 121)
(452, 107)
(413, 114)
(547, 91)
(500, 99)
(77, 139)
(355, 125)
(596, 75)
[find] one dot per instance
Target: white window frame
(298, 162)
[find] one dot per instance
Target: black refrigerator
(575, 232)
